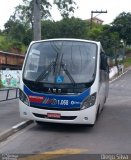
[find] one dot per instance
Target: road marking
(55, 154)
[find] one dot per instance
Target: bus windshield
(61, 61)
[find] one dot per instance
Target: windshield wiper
(45, 72)
(59, 63)
(68, 73)
(49, 67)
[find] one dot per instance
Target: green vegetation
(122, 25)
(24, 12)
(66, 28)
(14, 46)
(18, 29)
(127, 62)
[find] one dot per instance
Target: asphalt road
(111, 134)
(9, 114)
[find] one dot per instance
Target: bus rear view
(63, 81)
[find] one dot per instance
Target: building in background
(96, 20)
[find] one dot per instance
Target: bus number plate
(53, 115)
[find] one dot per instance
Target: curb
(126, 70)
(4, 135)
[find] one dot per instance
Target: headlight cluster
(89, 101)
(23, 97)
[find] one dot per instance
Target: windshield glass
(61, 61)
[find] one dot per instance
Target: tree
(74, 28)
(16, 36)
(110, 39)
(95, 32)
(14, 29)
(66, 7)
(17, 31)
(24, 12)
(50, 29)
(122, 25)
(66, 28)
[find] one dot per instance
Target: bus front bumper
(86, 116)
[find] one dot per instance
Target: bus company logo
(75, 102)
(54, 90)
(52, 101)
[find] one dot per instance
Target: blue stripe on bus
(62, 101)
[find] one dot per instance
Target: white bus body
(64, 81)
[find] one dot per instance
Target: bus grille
(61, 118)
(55, 108)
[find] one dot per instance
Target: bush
(127, 62)
(11, 46)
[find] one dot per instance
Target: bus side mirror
(104, 65)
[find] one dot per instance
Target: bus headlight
(89, 101)
(23, 97)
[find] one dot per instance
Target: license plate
(53, 115)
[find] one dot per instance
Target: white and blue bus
(64, 81)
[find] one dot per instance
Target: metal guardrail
(8, 94)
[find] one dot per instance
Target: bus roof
(67, 39)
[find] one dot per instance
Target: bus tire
(39, 123)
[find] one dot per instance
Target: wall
(10, 78)
(113, 72)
